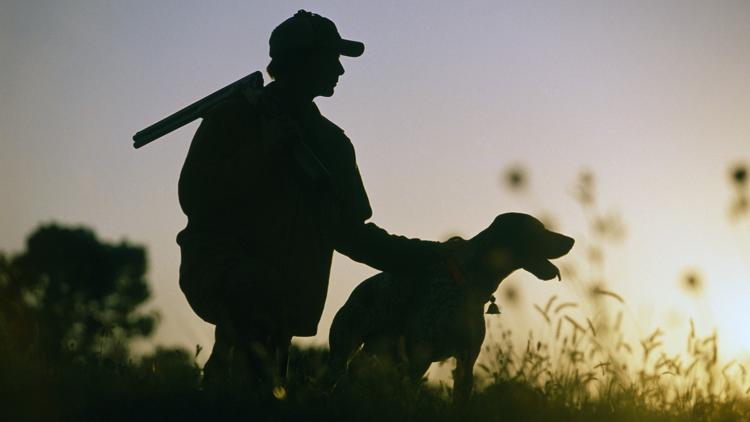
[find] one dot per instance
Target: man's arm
(371, 245)
(366, 242)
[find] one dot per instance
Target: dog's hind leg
(345, 337)
(418, 368)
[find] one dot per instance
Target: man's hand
(457, 254)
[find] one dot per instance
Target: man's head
(305, 51)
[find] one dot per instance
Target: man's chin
(326, 90)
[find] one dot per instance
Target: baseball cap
(306, 30)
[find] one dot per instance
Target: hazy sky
(652, 96)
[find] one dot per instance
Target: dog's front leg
(463, 377)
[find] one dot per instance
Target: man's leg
(239, 363)
(251, 349)
(282, 357)
(216, 372)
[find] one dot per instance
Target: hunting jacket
(250, 193)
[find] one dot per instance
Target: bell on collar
(493, 309)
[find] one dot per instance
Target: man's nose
(340, 68)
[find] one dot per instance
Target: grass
(581, 374)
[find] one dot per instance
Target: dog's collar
(455, 272)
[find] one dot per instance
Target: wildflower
(740, 206)
(739, 175)
(692, 282)
(585, 188)
(609, 226)
(511, 295)
(279, 393)
(515, 178)
(595, 255)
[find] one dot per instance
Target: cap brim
(351, 48)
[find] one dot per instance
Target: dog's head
(516, 240)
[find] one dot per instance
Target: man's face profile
(324, 71)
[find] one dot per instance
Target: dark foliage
(68, 292)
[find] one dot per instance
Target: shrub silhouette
(71, 295)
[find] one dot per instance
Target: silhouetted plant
(740, 205)
(692, 281)
(739, 175)
(516, 178)
(511, 294)
(584, 191)
(171, 366)
(69, 294)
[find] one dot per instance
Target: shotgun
(307, 159)
(196, 110)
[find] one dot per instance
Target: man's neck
(292, 93)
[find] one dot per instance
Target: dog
(413, 321)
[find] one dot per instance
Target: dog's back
(385, 309)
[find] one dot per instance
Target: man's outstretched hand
(457, 253)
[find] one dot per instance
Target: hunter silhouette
(270, 188)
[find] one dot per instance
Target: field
(576, 377)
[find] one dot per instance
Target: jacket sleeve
(366, 242)
(369, 244)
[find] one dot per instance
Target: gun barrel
(193, 111)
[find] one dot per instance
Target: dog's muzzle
(553, 246)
